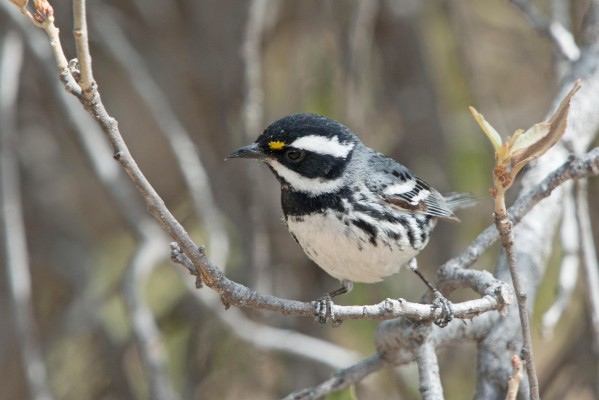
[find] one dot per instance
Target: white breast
(344, 251)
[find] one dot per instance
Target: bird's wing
(398, 186)
(421, 198)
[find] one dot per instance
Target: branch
(86, 80)
(495, 297)
(44, 18)
(341, 380)
(428, 367)
(574, 168)
(511, 156)
(505, 225)
(539, 226)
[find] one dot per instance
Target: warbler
(356, 213)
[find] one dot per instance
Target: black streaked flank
(423, 222)
(409, 231)
(368, 228)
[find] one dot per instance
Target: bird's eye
(294, 155)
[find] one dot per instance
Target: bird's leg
(440, 300)
(323, 309)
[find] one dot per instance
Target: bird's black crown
(312, 146)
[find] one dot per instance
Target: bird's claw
(323, 310)
(446, 309)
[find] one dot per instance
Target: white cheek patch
(312, 186)
(400, 188)
(322, 145)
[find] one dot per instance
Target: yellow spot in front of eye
(276, 145)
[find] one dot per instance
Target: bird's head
(306, 152)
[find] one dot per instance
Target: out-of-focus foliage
(407, 96)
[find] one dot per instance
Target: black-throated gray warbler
(356, 213)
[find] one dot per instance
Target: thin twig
(510, 157)
(46, 22)
(13, 226)
(504, 226)
(575, 168)
(82, 45)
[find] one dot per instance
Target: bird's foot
(323, 307)
(323, 311)
(446, 309)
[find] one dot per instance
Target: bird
(358, 214)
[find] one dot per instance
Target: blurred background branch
(16, 256)
(413, 88)
(258, 243)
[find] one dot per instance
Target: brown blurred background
(400, 73)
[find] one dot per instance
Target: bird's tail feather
(456, 201)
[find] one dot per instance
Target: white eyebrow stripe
(322, 145)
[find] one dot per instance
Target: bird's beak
(249, 151)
